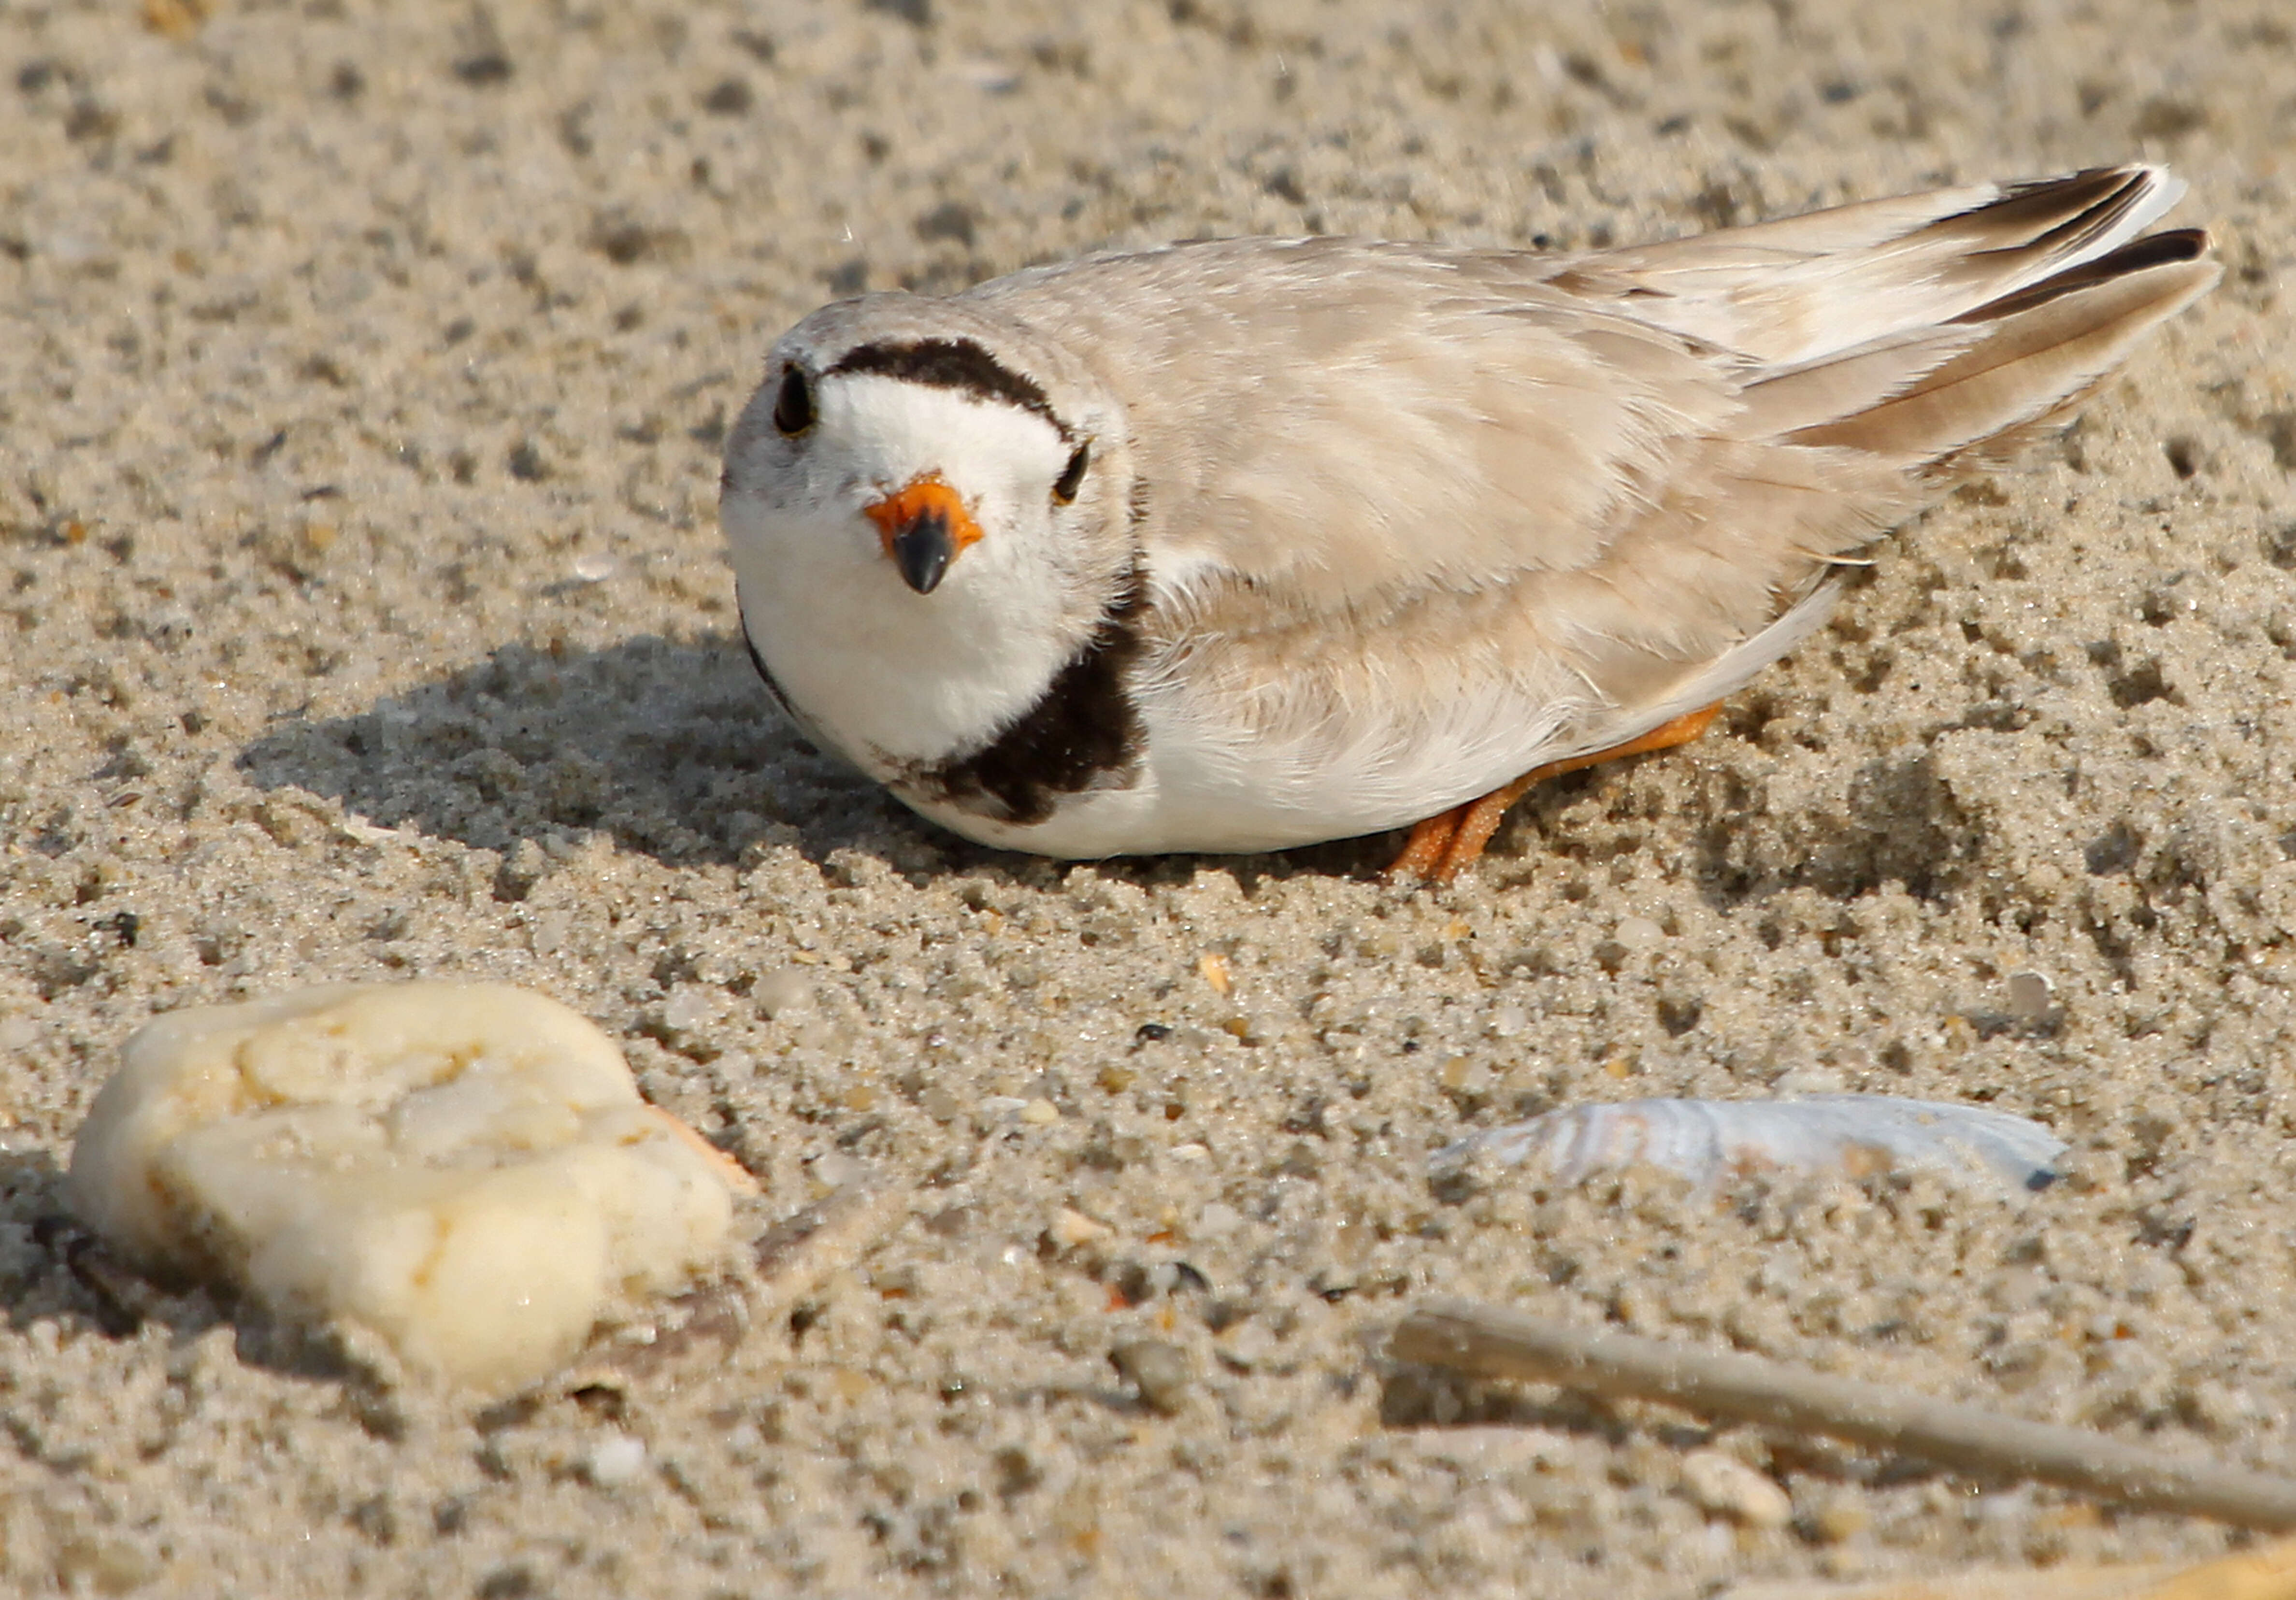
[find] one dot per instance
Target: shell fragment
(1708, 1142)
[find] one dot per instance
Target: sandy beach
(364, 370)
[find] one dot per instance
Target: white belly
(1203, 788)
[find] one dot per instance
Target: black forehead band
(957, 364)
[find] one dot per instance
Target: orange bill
(925, 526)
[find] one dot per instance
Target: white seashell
(1842, 1136)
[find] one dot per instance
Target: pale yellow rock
(466, 1170)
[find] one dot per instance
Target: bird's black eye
(793, 406)
(1071, 478)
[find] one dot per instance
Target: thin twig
(1491, 1343)
(787, 1261)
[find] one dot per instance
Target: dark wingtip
(2074, 199)
(2169, 248)
(2158, 250)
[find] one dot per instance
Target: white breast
(1205, 786)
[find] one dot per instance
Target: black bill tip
(923, 551)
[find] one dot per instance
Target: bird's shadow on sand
(671, 749)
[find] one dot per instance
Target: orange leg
(1443, 846)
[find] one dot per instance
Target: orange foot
(1447, 844)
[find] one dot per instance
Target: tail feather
(1819, 393)
(1809, 288)
(1881, 351)
(2154, 249)
(2035, 352)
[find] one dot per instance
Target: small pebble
(2030, 994)
(1725, 1486)
(950, 1222)
(782, 990)
(1248, 1345)
(1635, 932)
(1460, 1075)
(1487, 1451)
(689, 1008)
(615, 1460)
(1839, 1520)
(836, 1169)
(989, 76)
(1160, 1371)
(1071, 1228)
(1508, 1021)
(104, 1564)
(1044, 1113)
(1809, 1080)
(1214, 1220)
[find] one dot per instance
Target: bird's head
(925, 448)
(928, 508)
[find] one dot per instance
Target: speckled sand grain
(362, 373)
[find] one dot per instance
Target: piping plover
(1247, 544)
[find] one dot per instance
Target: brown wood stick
(787, 1261)
(2264, 1573)
(1488, 1342)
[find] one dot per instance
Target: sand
(363, 369)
